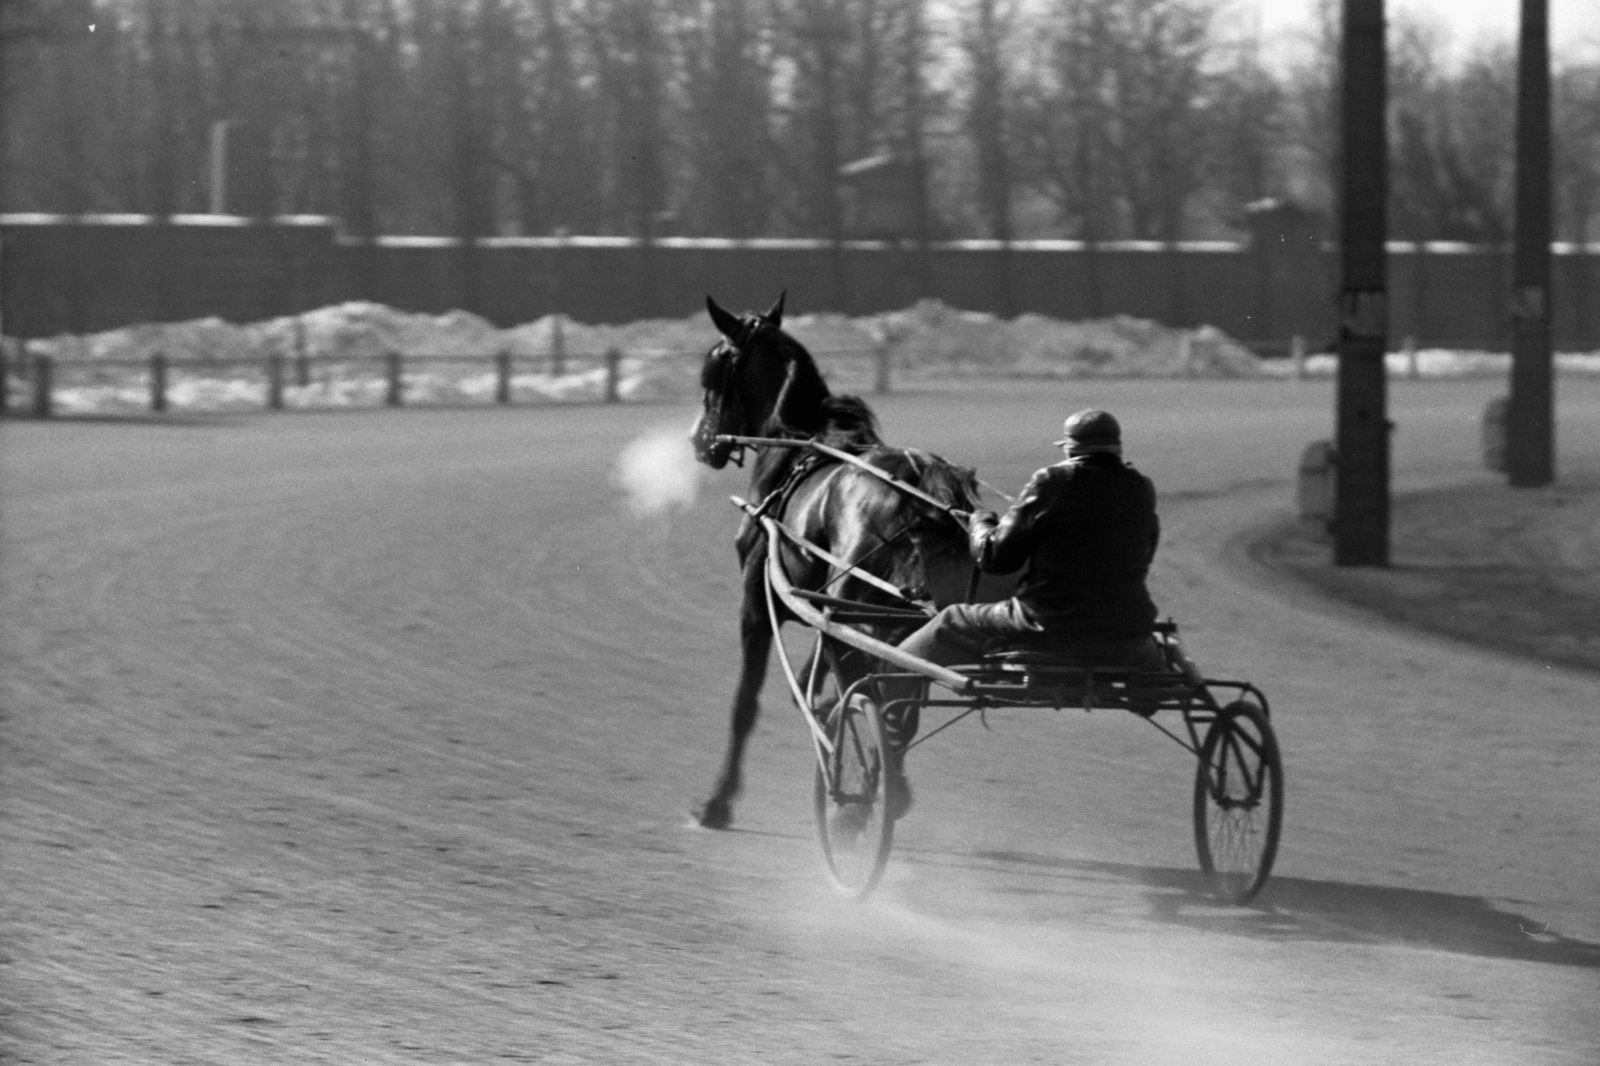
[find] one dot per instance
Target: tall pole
(1361, 483)
(219, 166)
(1530, 443)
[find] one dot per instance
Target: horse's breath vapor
(658, 472)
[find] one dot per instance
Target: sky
(1574, 24)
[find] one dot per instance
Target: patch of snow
(1436, 364)
(448, 358)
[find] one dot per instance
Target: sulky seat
(1141, 675)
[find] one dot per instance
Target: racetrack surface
(372, 737)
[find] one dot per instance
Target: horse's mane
(808, 408)
(805, 406)
(848, 424)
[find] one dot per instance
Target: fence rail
(41, 377)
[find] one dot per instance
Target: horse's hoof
(900, 798)
(716, 814)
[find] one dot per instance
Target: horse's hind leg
(755, 638)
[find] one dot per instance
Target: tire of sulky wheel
(853, 822)
(1238, 802)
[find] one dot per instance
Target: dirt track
(371, 738)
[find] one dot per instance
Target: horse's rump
(888, 533)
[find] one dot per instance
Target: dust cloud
(1001, 985)
(658, 473)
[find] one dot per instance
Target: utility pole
(1361, 483)
(1530, 436)
(218, 184)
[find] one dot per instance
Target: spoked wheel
(1238, 802)
(853, 822)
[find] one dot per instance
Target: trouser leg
(961, 632)
(957, 634)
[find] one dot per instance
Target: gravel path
(371, 738)
(1512, 569)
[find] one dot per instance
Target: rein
(842, 574)
(804, 469)
(842, 456)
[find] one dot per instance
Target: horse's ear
(775, 314)
(726, 322)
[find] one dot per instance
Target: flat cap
(1091, 429)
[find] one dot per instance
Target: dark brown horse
(760, 382)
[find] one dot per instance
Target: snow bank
(929, 334)
(220, 365)
(1436, 364)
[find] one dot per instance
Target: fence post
(613, 375)
(302, 362)
(158, 381)
(396, 384)
(42, 368)
(275, 381)
(5, 383)
(1297, 356)
(558, 347)
(1492, 434)
(880, 373)
(502, 381)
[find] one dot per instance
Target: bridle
(734, 352)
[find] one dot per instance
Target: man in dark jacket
(1085, 529)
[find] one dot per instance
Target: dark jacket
(1086, 530)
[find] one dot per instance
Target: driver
(1085, 529)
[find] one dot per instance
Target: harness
(808, 464)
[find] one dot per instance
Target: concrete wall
(64, 275)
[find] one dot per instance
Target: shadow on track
(1296, 909)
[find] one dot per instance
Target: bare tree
(915, 105)
(627, 44)
(1452, 140)
(355, 131)
(987, 40)
(1063, 144)
(559, 177)
(813, 42)
(1577, 149)
(1249, 129)
(725, 50)
(1577, 175)
(1312, 111)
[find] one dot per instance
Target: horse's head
(756, 381)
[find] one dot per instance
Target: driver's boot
(900, 724)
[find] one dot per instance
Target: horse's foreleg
(755, 637)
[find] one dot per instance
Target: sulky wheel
(853, 823)
(1238, 802)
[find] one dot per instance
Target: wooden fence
(40, 377)
(86, 274)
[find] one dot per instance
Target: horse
(759, 381)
